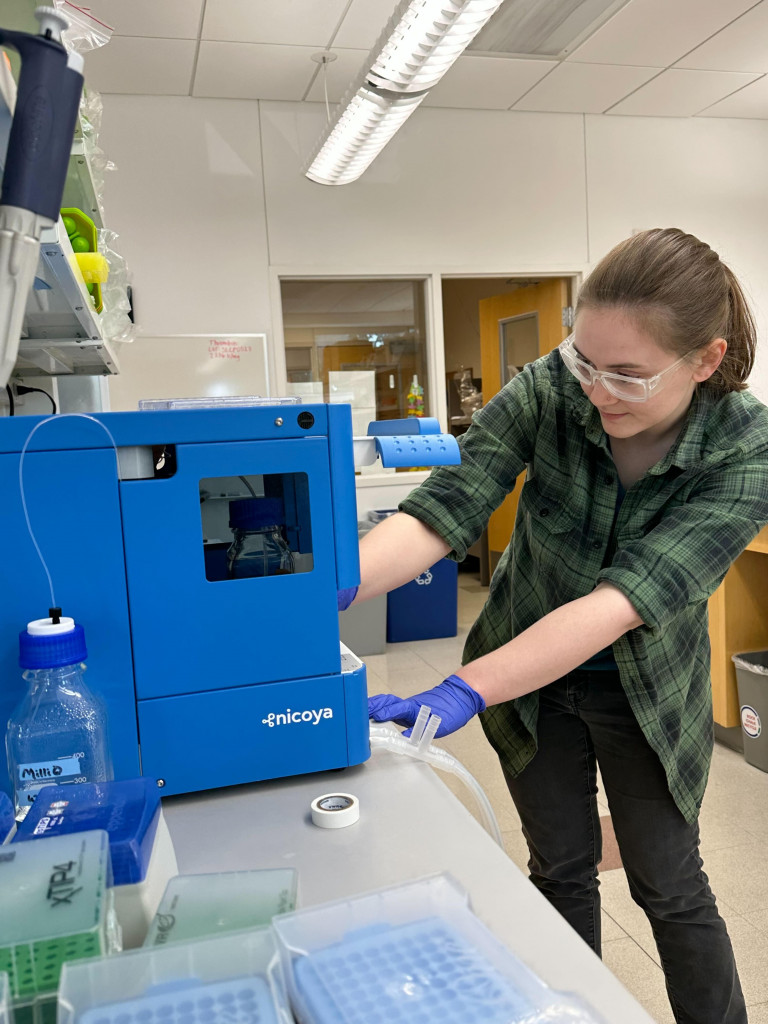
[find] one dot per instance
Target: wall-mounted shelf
(78, 188)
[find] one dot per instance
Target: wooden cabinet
(738, 621)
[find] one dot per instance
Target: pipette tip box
(142, 854)
(128, 810)
(198, 905)
(412, 952)
(57, 906)
(232, 978)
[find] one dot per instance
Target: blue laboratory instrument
(210, 679)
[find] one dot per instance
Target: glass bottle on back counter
(58, 733)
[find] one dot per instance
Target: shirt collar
(687, 449)
(684, 453)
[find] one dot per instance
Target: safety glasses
(628, 389)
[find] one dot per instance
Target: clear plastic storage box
(56, 906)
(223, 402)
(414, 952)
(199, 905)
(230, 978)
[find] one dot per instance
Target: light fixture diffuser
(420, 43)
(366, 124)
(423, 39)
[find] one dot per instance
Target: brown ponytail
(678, 290)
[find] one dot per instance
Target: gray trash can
(363, 627)
(752, 679)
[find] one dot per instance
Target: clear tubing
(33, 431)
(387, 736)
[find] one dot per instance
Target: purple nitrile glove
(346, 597)
(453, 700)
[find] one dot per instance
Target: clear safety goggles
(628, 389)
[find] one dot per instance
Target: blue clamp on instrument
(415, 441)
(410, 425)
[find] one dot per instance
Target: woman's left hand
(453, 700)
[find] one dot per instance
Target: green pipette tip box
(57, 906)
(194, 906)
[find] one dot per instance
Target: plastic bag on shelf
(85, 31)
(115, 319)
(99, 164)
(91, 111)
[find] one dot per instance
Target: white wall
(187, 200)
(210, 202)
(702, 174)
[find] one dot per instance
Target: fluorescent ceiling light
(423, 39)
(420, 43)
(365, 125)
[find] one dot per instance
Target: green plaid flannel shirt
(677, 532)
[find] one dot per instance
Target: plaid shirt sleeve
(457, 502)
(682, 560)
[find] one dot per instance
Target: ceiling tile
(340, 72)
(130, 64)
(585, 88)
(656, 33)
(252, 71)
(739, 47)
(751, 101)
(363, 23)
(487, 83)
(172, 19)
(678, 93)
(290, 22)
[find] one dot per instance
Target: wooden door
(517, 327)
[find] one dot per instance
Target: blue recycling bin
(425, 608)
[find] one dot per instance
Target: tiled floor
(734, 827)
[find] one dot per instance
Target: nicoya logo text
(289, 717)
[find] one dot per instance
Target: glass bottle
(258, 548)
(58, 733)
(415, 398)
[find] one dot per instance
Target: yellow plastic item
(84, 241)
(93, 267)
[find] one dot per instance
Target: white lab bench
(411, 825)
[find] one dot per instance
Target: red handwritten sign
(227, 348)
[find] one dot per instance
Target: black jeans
(585, 718)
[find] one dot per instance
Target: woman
(646, 475)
